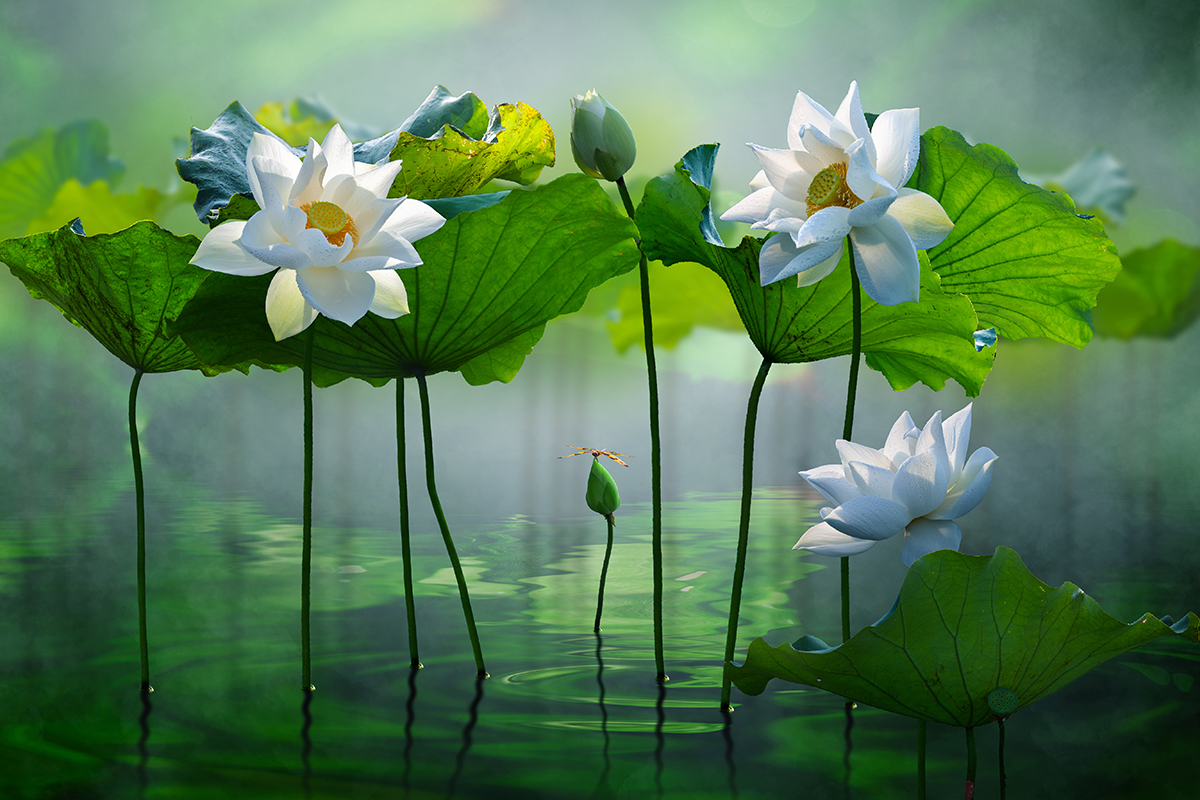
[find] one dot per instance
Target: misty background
(1097, 448)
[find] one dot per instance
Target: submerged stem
(848, 425)
(410, 605)
(655, 448)
(739, 567)
(306, 544)
(139, 495)
(604, 571)
(469, 616)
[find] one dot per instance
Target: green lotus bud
(601, 140)
(602, 494)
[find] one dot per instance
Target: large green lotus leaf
(450, 146)
(123, 288)
(962, 627)
(1029, 263)
(33, 170)
(1155, 294)
(490, 280)
(928, 341)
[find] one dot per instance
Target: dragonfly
(596, 454)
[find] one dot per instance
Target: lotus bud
(601, 140)
(602, 494)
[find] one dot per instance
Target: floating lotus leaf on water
(963, 627)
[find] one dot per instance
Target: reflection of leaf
(34, 169)
(930, 341)
(123, 288)
(962, 627)
(1155, 294)
(491, 278)
(1029, 263)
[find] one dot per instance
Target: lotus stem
(604, 573)
(306, 523)
(848, 426)
(921, 737)
(431, 483)
(739, 567)
(1003, 777)
(139, 498)
(410, 605)
(655, 449)
(971, 763)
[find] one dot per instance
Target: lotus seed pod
(1002, 702)
(602, 494)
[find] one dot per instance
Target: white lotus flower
(840, 178)
(329, 228)
(918, 483)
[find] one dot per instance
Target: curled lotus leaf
(450, 146)
(963, 627)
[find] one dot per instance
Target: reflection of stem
(306, 743)
(410, 718)
(739, 567)
(604, 571)
(306, 546)
(848, 426)
(921, 733)
(481, 671)
(405, 545)
(139, 494)
(472, 719)
(655, 448)
(143, 741)
(660, 738)
(602, 789)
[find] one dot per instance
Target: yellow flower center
(331, 220)
(829, 188)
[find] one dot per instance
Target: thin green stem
(604, 571)
(306, 545)
(139, 495)
(848, 425)
(1003, 777)
(431, 483)
(655, 449)
(971, 758)
(739, 567)
(921, 736)
(410, 605)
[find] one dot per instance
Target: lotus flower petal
(825, 540)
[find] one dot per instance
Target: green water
(565, 713)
